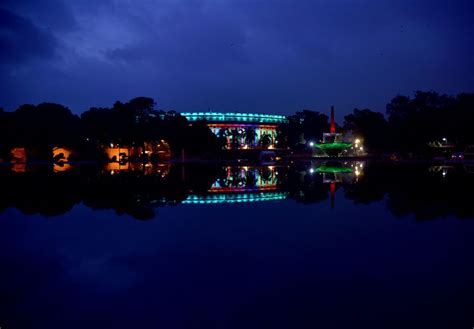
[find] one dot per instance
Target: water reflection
(240, 184)
(139, 189)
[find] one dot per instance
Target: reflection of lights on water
(357, 172)
(361, 148)
(235, 198)
(112, 172)
(444, 173)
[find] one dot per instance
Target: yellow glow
(18, 154)
(19, 167)
(64, 151)
(62, 168)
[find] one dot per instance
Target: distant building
(242, 130)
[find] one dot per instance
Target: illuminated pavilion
(263, 124)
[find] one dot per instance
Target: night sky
(275, 56)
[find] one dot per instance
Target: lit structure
(235, 198)
(61, 154)
(332, 143)
(121, 153)
(336, 172)
(237, 126)
(242, 185)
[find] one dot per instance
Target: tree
(43, 127)
(235, 136)
(426, 117)
(265, 140)
(249, 136)
(302, 127)
(369, 125)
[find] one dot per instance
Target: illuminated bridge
(242, 130)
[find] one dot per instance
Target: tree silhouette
(249, 136)
(265, 140)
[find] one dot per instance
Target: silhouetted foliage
(41, 127)
(429, 116)
(414, 122)
(406, 190)
(411, 123)
(371, 125)
(302, 127)
(47, 125)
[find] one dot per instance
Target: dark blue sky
(275, 56)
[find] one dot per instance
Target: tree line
(133, 123)
(409, 124)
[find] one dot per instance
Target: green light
(333, 170)
(333, 146)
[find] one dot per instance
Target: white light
(357, 141)
(361, 148)
(311, 170)
(311, 144)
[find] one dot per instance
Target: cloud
(21, 40)
(53, 15)
(266, 56)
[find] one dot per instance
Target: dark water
(319, 245)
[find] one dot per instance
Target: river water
(303, 245)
